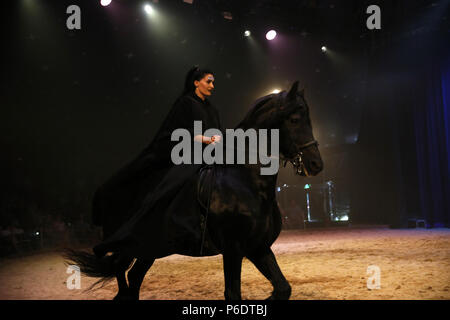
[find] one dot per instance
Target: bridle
(297, 160)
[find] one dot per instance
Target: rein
(306, 145)
(297, 160)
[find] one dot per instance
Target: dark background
(79, 104)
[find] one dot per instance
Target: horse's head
(297, 143)
(288, 112)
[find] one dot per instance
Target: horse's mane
(256, 107)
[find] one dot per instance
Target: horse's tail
(105, 268)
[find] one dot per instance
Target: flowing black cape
(149, 207)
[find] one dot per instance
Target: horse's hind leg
(267, 264)
(232, 266)
(136, 276)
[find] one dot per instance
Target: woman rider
(147, 208)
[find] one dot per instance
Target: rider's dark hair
(195, 73)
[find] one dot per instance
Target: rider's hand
(216, 139)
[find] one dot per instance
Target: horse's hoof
(280, 295)
(127, 296)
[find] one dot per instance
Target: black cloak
(149, 208)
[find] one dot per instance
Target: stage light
(148, 8)
(247, 33)
(324, 49)
(271, 35)
(105, 2)
(275, 91)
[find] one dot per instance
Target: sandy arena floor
(319, 264)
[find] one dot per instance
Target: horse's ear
(293, 91)
(302, 92)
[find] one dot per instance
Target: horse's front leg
(232, 265)
(122, 285)
(266, 263)
(121, 266)
(136, 276)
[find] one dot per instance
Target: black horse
(243, 218)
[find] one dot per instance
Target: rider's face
(206, 85)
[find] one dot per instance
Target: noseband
(297, 161)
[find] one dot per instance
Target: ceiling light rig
(227, 15)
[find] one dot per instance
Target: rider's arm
(204, 139)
